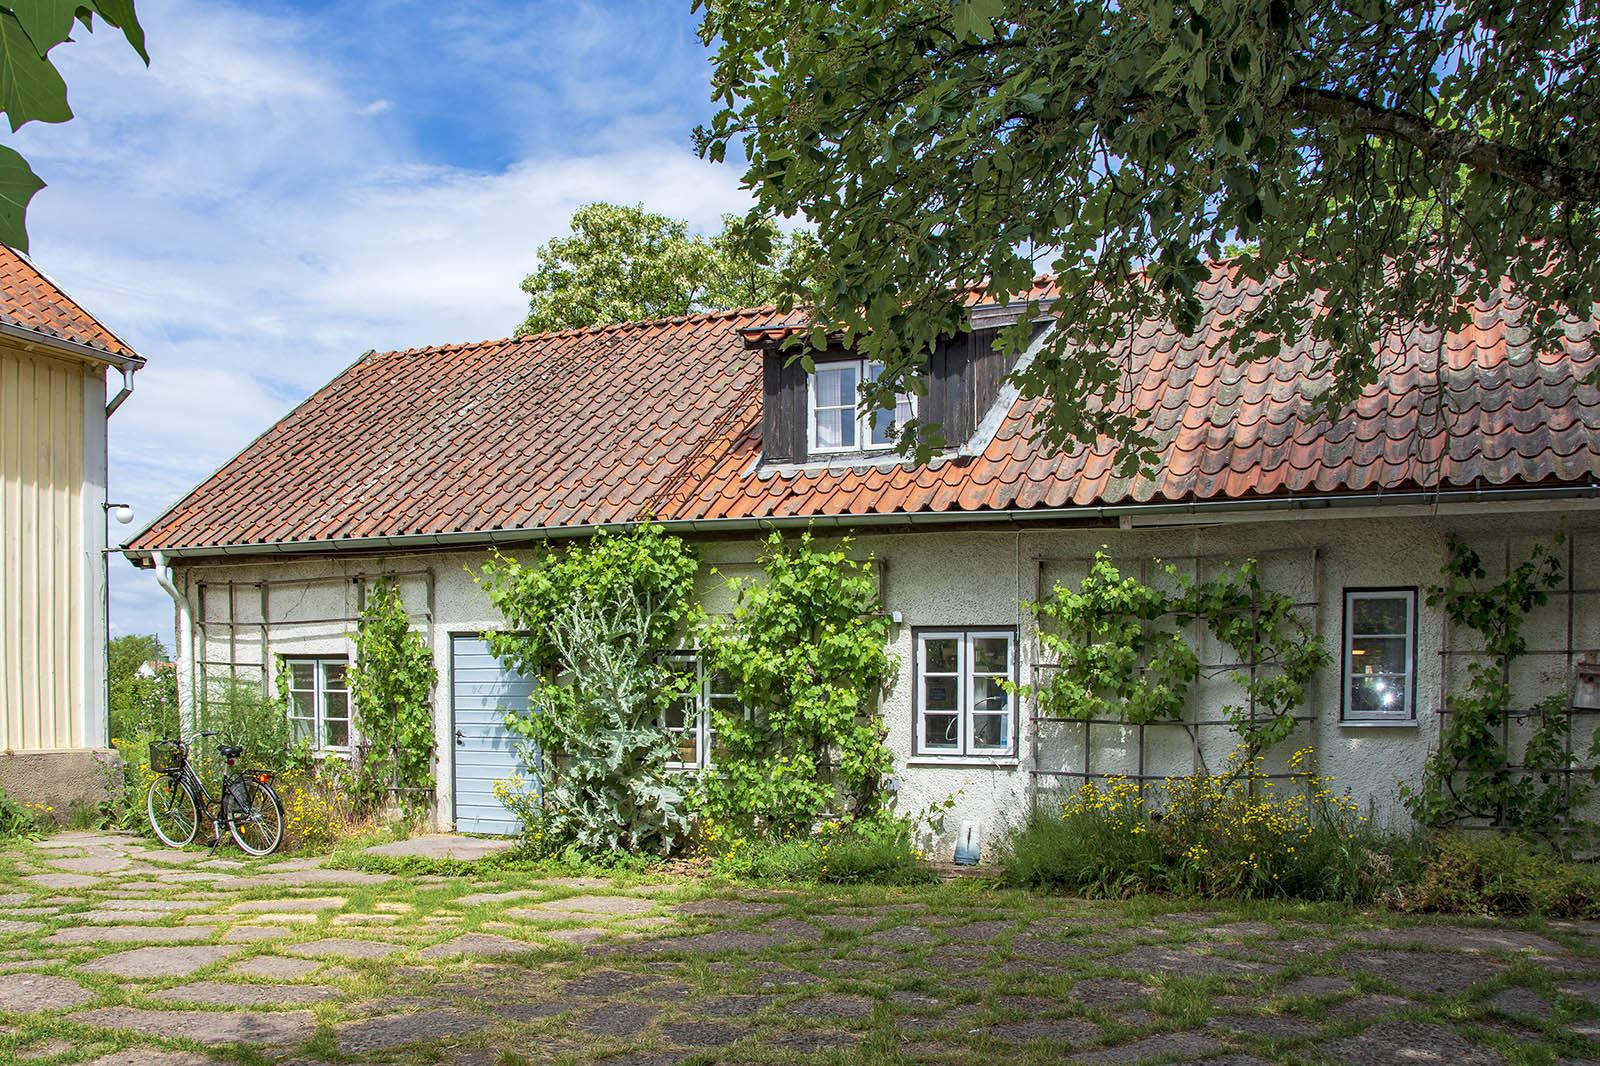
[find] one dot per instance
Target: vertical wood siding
(41, 551)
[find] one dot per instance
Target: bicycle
(248, 805)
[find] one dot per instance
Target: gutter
(185, 663)
(127, 365)
(1126, 515)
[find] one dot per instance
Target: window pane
(1386, 614)
(836, 428)
(941, 655)
(991, 655)
(337, 733)
(987, 695)
(836, 386)
(689, 747)
(939, 693)
(1378, 694)
(991, 731)
(1378, 655)
(302, 729)
(674, 716)
(336, 705)
(883, 423)
(939, 731)
(333, 676)
(302, 705)
(303, 675)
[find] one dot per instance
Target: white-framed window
(1380, 655)
(319, 703)
(962, 707)
(835, 421)
(689, 721)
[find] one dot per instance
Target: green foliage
(624, 264)
(140, 704)
(1469, 776)
(1235, 834)
(242, 714)
(391, 688)
(596, 623)
(18, 821)
(1113, 661)
(805, 654)
(1497, 875)
(1402, 158)
(873, 851)
(31, 88)
(1120, 654)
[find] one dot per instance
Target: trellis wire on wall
(261, 664)
(1051, 776)
(1570, 653)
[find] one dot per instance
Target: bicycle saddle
(231, 751)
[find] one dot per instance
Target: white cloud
(251, 219)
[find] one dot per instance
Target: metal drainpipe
(126, 390)
(186, 706)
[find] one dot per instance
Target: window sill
(1409, 723)
(981, 762)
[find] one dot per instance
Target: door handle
(461, 738)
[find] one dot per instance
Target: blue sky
(290, 184)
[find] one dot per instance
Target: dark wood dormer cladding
(963, 376)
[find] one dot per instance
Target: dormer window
(836, 422)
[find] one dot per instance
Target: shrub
(19, 821)
(1235, 834)
(877, 851)
(606, 616)
(805, 653)
(391, 688)
(1495, 874)
(318, 810)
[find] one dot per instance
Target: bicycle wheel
(172, 810)
(255, 816)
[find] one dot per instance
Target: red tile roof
(663, 419)
(33, 302)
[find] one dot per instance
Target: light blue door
(482, 690)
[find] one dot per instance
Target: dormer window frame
(865, 425)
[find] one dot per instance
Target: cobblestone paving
(119, 954)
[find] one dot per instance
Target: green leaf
(120, 14)
(47, 22)
(18, 183)
(30, 88)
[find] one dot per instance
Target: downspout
(127, 370)
(185, 664)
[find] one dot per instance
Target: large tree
(1402, 159)
(623, 264)
(31, 88)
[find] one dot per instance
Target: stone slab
(476, 944)
(1409, 1044)
(339, 947)
(445, 846)
(274, 966)
(131, 934)
(206, 1027)
(24, 993)
(289, 904)
(223, 994)
(587, 906)
(162, 962)
(378, 1034)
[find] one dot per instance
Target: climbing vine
(805, 653)
(596, 623)
(1119, 653)
(391, 683)
(1470, 775)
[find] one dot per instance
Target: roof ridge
(580, 331)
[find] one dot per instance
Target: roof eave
(1132, 513)
(129, 361)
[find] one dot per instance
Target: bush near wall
(1233, 834)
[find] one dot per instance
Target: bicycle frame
(210, 809)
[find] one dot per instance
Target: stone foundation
(61, 779)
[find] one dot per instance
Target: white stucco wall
(980, 578)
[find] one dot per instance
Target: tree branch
(1554, 180)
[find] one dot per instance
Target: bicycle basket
(166, 756)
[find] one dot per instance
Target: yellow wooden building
(54, 363)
